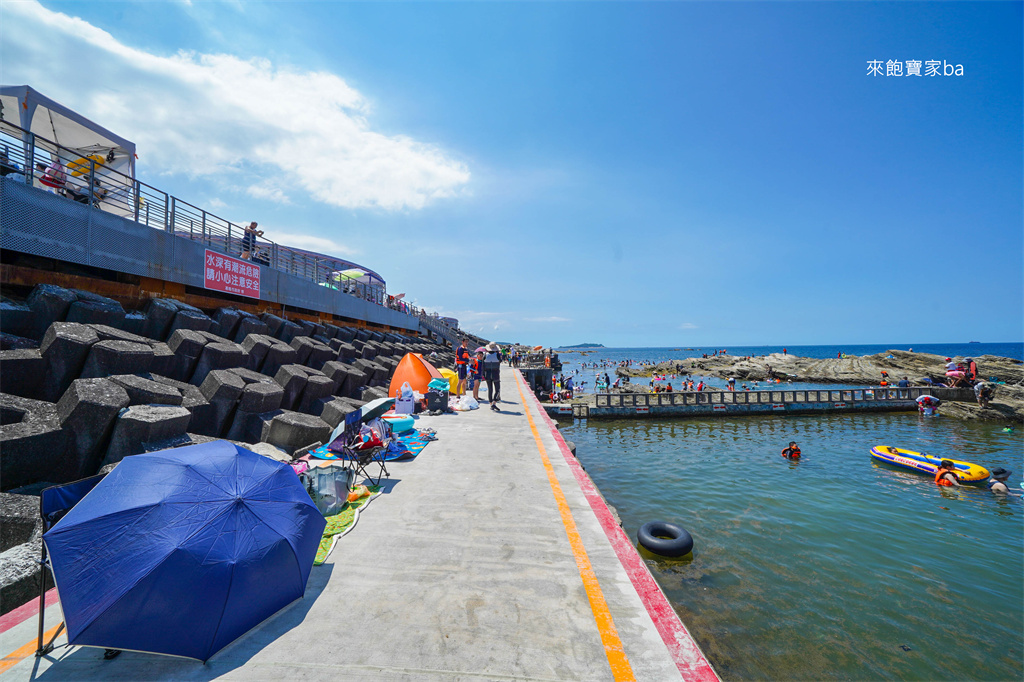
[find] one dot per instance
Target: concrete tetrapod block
(160, 313)
(190, 319)
(20, 575)
(302, 345)
(247, 427)
(288, 331)
(31, 441)
(311, 328)
(273, 323)
(14, 342)
(346, 334)
(260, 397)
(347, 352)
(222, 355)
(96, 312)
(337, 372)
(291, 378)
(203, 413)
(22, 373)
(187, 345)
(20, 514)
(355, 380)
(142, 424)
(332, 410)
(362, 335)
(331, 331)
(373, 393)
(134, 323)
(109, 333)
(222, 389)
(369, 350)
(317, 387)
(107, 358)
(145, 391)
(18, 319)
(225, 322)
(50, 304)
(65, 348)
(165, 362)
(250, 325)
(87, 412)
(293, 430)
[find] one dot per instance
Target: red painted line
(688, 657)
(26, 611)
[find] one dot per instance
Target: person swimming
(793, 451)
(998, 482)
(945, 476)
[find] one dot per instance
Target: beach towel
(341, 523)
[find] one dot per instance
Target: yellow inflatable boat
(966, 472)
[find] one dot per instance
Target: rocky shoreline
(1008, 404)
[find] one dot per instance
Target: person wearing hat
(998, 482)
(492, 373)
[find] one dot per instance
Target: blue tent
(182, 551)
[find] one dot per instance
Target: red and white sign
(718, 408)
(778, 406)
(231, 275)
(643, 410)
(565, 409)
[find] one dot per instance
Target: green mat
(341, 523)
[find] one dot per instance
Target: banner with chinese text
(231, 275)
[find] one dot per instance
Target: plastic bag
(328, 486)
(405, 391)
(467, 403)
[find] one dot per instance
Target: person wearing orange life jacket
(476, 375)
(793, 451)
(945, 476)
(461, 365)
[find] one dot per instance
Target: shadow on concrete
(87, 663)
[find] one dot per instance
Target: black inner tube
(665, 539)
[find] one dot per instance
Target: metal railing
(86, 178)
(770, 397)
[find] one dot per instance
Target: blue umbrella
(182, 551)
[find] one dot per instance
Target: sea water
(607, 358)
(833, 566)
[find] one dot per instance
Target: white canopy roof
(28, 109)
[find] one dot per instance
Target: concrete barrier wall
(41, 223)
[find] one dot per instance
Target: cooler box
(437, 400)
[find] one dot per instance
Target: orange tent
(414, 369)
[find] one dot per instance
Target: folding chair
(348, 448)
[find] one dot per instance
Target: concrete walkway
(490, 556)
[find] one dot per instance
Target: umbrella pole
(43, 649)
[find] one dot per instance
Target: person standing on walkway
(492, 374)
(249, 240)
(461, 365)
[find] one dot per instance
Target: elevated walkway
(490, 556)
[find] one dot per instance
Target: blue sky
(632, 174)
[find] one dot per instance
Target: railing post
(92, 179)
(167, 208)
(227, 241)
(205, 241)
(138, 202)
(30, 163)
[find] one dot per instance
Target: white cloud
(230, 120)
(688, 325)
(306, 241)
(552, 318)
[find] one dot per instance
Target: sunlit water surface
(833, 566)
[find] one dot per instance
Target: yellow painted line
(15, 657)
(617, 659)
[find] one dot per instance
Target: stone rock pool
(831, 567)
